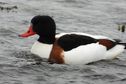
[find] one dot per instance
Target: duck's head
(44, 26)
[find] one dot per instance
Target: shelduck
(70, 48)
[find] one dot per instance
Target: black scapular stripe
(70, 41)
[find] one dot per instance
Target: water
(17, 64)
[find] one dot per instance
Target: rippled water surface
(18, 65)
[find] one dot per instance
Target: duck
(70, 48)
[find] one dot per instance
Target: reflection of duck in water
(70, 48)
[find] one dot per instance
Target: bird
(72, 47)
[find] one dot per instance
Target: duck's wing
(70, 41)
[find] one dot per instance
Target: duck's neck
(48, 39)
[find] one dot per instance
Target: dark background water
(17, 64)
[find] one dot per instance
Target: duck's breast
(41, 49)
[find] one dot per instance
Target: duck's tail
(122, 44)
(118, 41)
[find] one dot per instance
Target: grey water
(99, 17)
